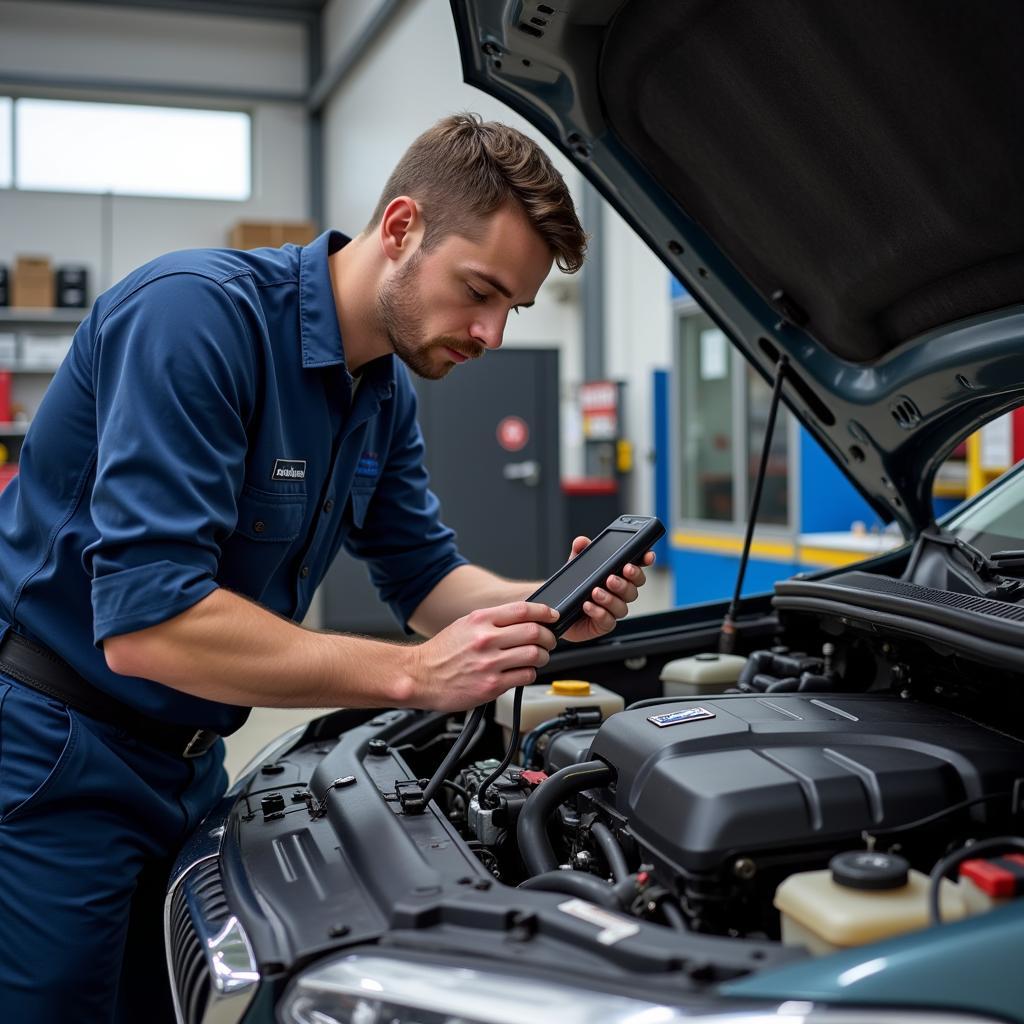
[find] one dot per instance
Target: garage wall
(112, 235)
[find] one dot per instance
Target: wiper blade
(1003, 568)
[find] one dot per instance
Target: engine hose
(575, 883)
(610, 850)
(458, 748)
(531, 830)
(534, 735)
(673, 915)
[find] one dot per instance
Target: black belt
(42, 670)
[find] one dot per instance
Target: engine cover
(761, 773)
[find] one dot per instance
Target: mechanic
(224, 422)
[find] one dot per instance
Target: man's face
(448, 305)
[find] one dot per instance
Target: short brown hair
(464, 168)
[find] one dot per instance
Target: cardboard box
(255, 234)
(33, 282)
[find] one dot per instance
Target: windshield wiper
(1003, 568)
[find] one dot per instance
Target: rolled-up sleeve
(407, 547)
(174, 379)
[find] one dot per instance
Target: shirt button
(304, 572)
(328, 504)
(259, 526)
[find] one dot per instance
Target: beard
(400, 313)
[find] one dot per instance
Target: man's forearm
(463, 590)
(228, 649)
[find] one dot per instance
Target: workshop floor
(265, 724)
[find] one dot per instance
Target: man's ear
(401, 228)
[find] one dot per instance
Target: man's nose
(489, 331)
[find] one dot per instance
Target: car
(838, 185)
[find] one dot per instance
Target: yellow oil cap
(570, 688)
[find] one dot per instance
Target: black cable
(513, 746)
(534, 735)
(727, 638)
(610, 850)
(456, 789)
(446, 766)
(575, 883)
(938, 815)
(531, 829)
(947, 864)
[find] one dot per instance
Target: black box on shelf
(72, 287)
(5, 286)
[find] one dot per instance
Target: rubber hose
(531, 830)
(610, 850)
(534, 735)
(575, 883)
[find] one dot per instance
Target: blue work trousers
(90, 822)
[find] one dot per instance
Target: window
(67, 146)
(5, 142)
(724, 407)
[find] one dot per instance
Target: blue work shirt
(202, 432)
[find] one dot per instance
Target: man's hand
(480, 656)
(609, 603)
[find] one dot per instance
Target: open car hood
(838, 185)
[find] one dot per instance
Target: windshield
(996, 520)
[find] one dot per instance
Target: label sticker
(513, 433)
(289, 469)
(613, 928)
(679, 717)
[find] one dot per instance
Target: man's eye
(475, 295)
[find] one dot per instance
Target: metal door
(492, 434)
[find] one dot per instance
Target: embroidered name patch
(368, 465)
(679, 717)
(289, 469)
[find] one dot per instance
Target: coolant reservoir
(701, 674)
(543, 701)
(862, 897)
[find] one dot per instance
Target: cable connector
(410, 796)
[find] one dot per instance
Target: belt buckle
(200, 742)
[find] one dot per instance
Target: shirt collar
(318, 317)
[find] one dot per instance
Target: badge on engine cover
(678, 717)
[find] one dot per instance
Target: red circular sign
(513, 433)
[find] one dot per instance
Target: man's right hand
(480, 656)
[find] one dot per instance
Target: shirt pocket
(270, 518)
(362, 494)
(266, 530)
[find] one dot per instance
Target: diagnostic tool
(625, 540)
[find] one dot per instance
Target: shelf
(13, 429)
(25, 316)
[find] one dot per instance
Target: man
(225, 421)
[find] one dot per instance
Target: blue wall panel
(706, 576)
(829, 500)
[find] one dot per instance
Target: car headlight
(369, 989)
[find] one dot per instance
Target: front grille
(190, 973)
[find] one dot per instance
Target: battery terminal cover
(999, 877)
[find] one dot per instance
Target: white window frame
(683, 309)
(247, 113)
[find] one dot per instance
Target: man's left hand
(609, 603)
